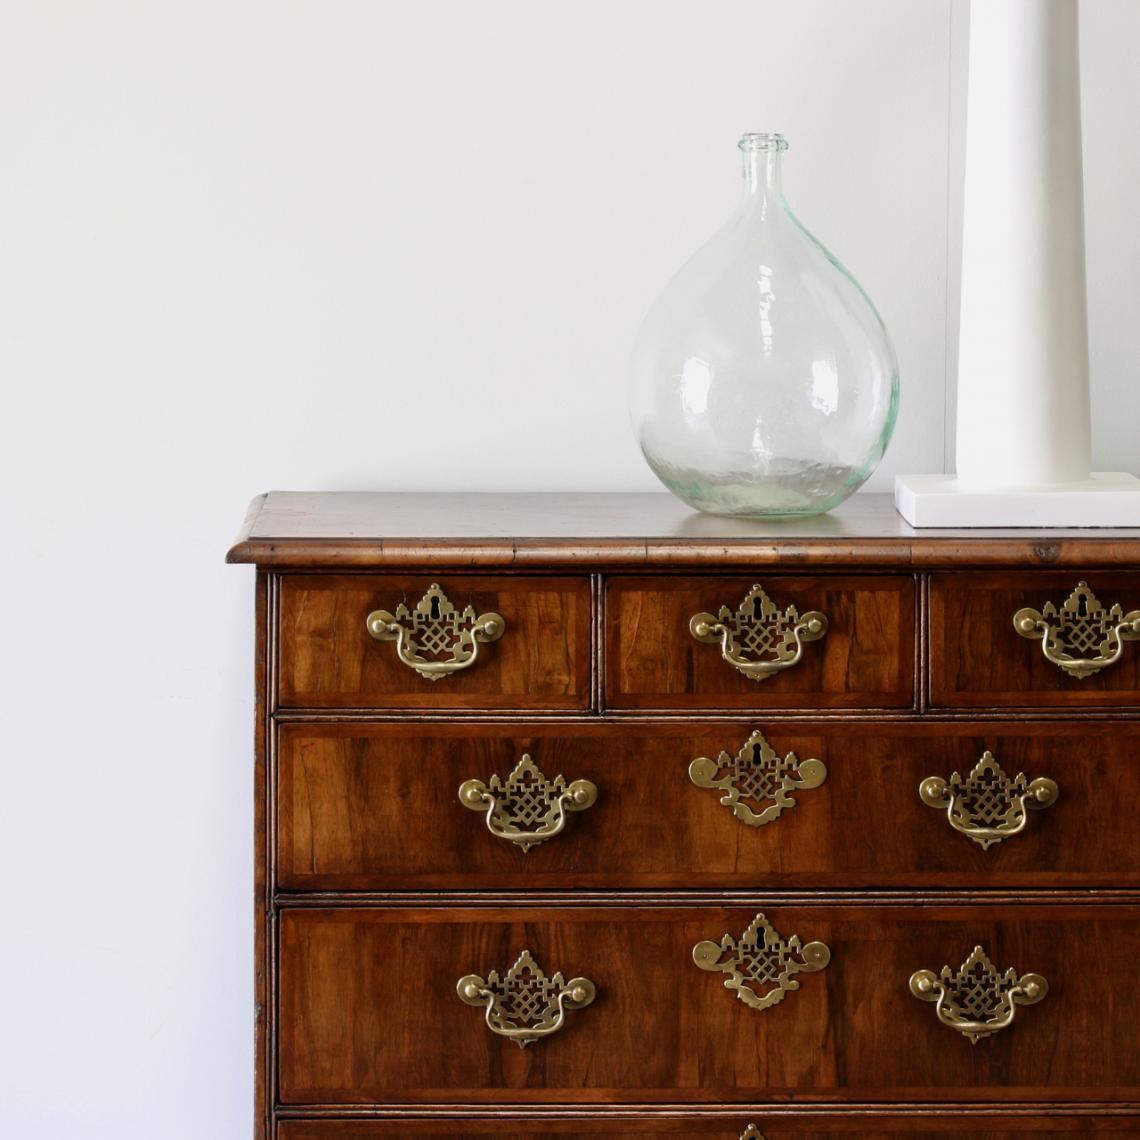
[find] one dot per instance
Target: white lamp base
(1107, 498)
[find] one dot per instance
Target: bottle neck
(763, 171)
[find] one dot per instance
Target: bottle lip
(762, 140)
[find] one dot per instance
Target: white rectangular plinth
(1110, 498)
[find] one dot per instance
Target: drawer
(370, 1008)
(760, 648)
(452, 642)
(377, 806)
(978, 658)
(808, 1126)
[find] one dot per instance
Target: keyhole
(756, 750)
(1083, 607)
(435, 607)
(756, 614)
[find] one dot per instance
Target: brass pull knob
(757, 637)
(525, 1005)
(975, 999)
(436, 628)
(988, 806)
(1079, 627)
(758, 774)
(761, 966)
(529, 809)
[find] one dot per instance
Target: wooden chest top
(373, 529)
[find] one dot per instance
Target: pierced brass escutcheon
(757, 637)
(757, 773)
(761, 966)
(528, 809)
(525, 1005)
(975, 999)
(752, 1133)
(1079, 627)
(988, 806)
(449, 638)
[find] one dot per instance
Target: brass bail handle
(528, 809)
(1070, 632)
(758, 638)
(434, 637)
(525, 1005)
(976, 1000)
(987, 806)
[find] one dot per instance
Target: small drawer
(1053, 640)
(401, 641)
(802, 1125)
(765, 642)
(789, 804)
(672, 1004)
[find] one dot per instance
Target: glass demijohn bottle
(763, 380)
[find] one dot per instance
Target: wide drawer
(1052, 640)
(759, 643)
(406, 641)
(809, 1126)
(370, 1005)
(378, 806)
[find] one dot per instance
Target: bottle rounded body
(763, 379)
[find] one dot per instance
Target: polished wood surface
(979, 659)
(376, 888)
(329, 660)
(866, 659)
(370, 1014)
(814, 1126)
(375, 807)
(369, 529)
(264, 915)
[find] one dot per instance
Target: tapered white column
(1023, 360)
(1023, 372)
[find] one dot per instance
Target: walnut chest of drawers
(584, 815)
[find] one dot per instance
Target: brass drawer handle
(761, 966)
(528, 809)
(975, 999)
(988, 806)
(758, 638)
(525, 1005)
(435, 627)
(758, 774)
(1081, 625)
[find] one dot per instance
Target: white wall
(369, 244)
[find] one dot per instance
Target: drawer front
(658, 657)
(378, 806)
(978, 658)
(370, 1012)
(481, 643)
(807, 1127)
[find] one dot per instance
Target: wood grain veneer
(662, 1030)
(328, 660)
(358, 803)
(816, 1126)
(865, 661)
(979, 659)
